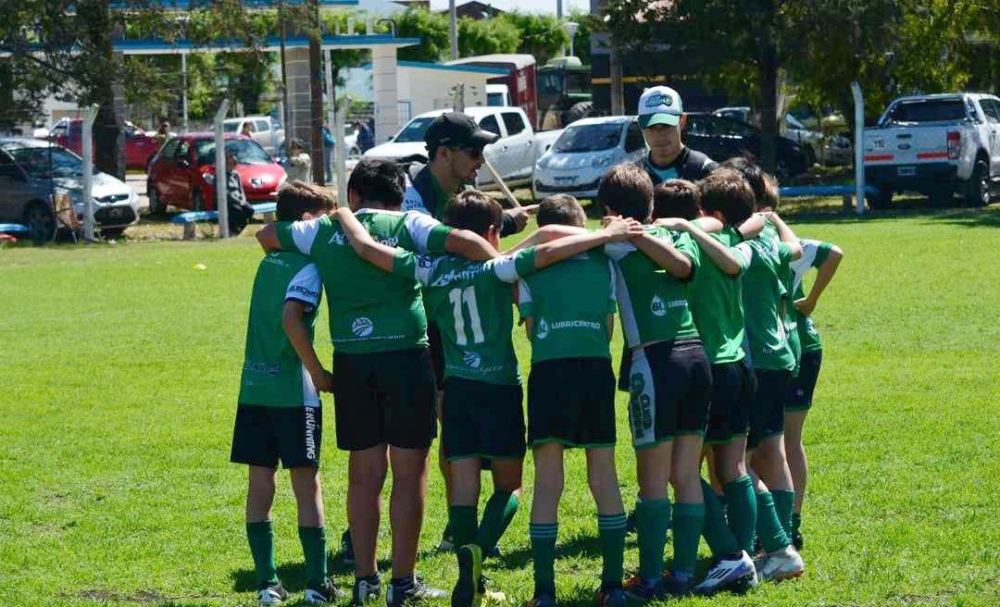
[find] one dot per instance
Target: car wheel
(156, 206)
(112, 233)
(977, 193)
(583, 109)
(41, 222)
(882, 199)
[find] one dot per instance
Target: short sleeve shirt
(472, 304)
(814, 253)
(716, 301)
(569, 303)
(762, 293)
(370, 310)
(652, 303)
(273, 375)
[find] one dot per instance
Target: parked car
(723, 138)
(583, 153)
(513, 156)
(183, 173)
(263, 129)
(938, 145)
(139, 146)
(36, 174)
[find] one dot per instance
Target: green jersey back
(569, 303)
(762, 293)
(652, 303)
(472, 304)
(370, 310)
(273, 375)
(814, 253)
(716, 301)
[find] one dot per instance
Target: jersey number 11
(468, 295)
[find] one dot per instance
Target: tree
(432, 30)
(487, 36)
(540, 35)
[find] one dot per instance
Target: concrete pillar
(299, 98)
(386, 92)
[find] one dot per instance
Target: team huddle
(720, 361)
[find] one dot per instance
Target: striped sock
(543, 555)
(611, 530)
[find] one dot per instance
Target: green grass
(120, 370)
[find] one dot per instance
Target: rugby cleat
(447, 543)
(470, 568)
(735, 574)
(366, 590)
(272, 594)
(781, 565)
(610, 597)
(327, 594)
(413, 590)
(642, 591)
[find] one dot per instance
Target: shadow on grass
(293, 575)
(580, 545)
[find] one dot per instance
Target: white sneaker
(781, 565)
(736, 574)
(271, 595)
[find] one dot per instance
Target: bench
(13, 228)
(846, 190)
(190, 218)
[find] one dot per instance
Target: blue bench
(846, 190)
(13, 228)
(190, 218)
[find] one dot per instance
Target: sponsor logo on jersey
(640, 408)
(304, 291)
(338, 238)
(542, 330)
(272, 369)
(657, 307)
(311, 433)
(362, 326)
(472, 359)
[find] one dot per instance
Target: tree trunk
(767, 73)
(109, 141)
(316, 98)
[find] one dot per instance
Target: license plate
(906, 171)
(565, 179)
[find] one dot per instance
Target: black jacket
(420, 196)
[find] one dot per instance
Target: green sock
(796, 522)
(652, 517)
(784, 503)
(611, 530)
(462, 520)
(718, 535)
(741, 504)
(499, 512)
(543, 555)
(314, 548)
(261, 537)
(689, 520)
(772, 534)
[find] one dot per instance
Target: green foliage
(581, 42)
(540, 35)
(487, 36)
(431, 28)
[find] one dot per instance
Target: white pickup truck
(938, 145)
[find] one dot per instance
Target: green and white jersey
(716, 301)
(814, 253)
(472, 303)
(787, 277)
(273, 375)
(762, 293)
(569, 303)
(370, 310)
(652, 303)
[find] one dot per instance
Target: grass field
(120, 368)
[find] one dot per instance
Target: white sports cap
(660, 105)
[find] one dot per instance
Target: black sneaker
(470, 564)
(447, 543)
(410, 591)
(346, 548)
(271, 594)
(326, 594)
(366, 590)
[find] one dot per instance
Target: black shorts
(733, 386)
(263, 435)
(670, 389)
(767, 415)
(384, 398)
(437, 353)
(572, 401)
(482, 420)
(800, 391)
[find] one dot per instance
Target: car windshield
(588, 138)
(414, 131)
(246, 150)
(494, 99)
(46, 163)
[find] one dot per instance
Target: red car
(139, 147)
(183, 173)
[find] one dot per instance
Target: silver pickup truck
(938, 145)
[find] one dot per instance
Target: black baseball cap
(457, 130)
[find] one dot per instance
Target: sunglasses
(473, 153)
